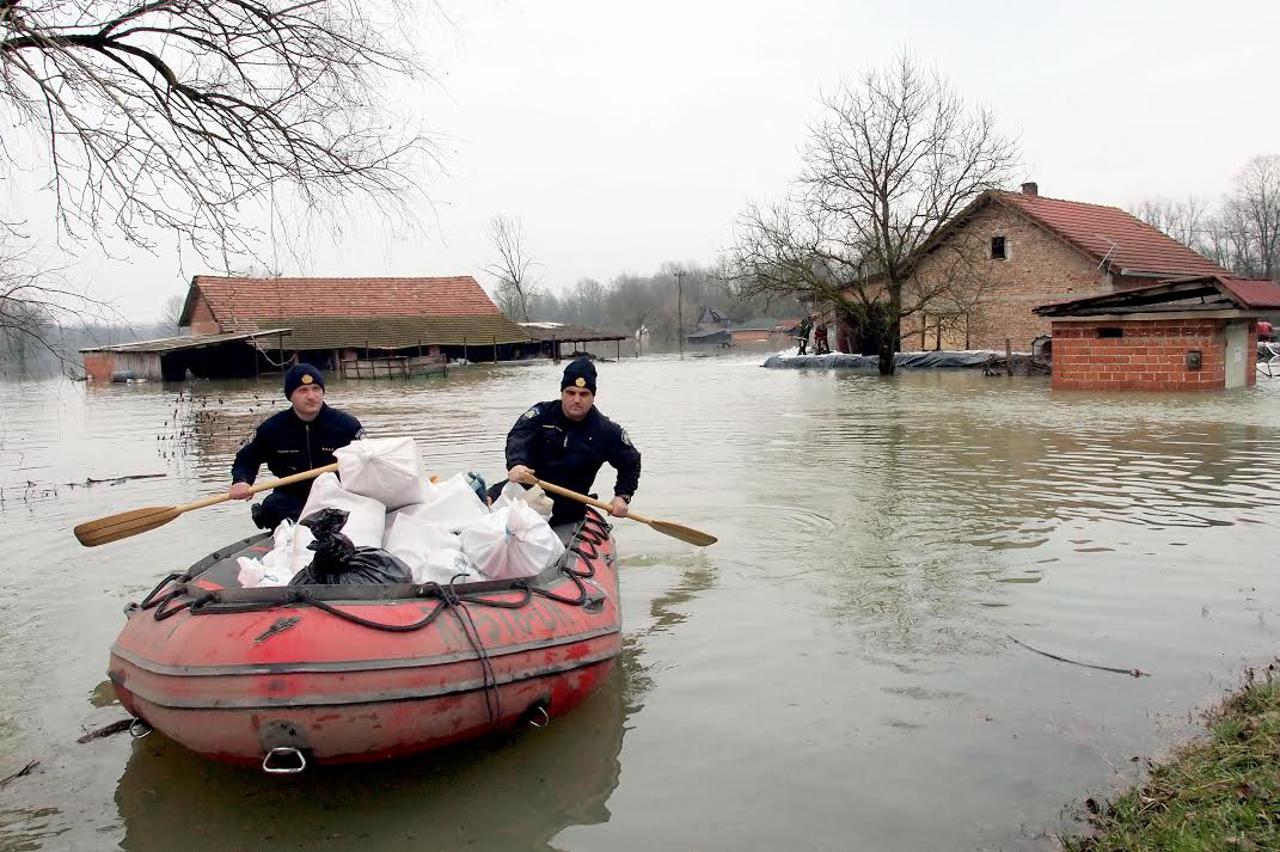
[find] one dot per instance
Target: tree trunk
(892, 328)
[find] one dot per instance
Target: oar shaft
(261, 486)
(583, 498)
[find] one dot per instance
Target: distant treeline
(658, 302)
(53, 348)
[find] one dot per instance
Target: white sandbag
(387, 469)
(452, 503)
(514, 541)
(276, 566)
(366, 520)
(413, 541)
(535, 497)
(447, 566)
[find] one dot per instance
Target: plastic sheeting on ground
(906, 360)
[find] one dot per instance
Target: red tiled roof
(248, 301)
(1253, 293)
(1125, 241)
(1186, 293)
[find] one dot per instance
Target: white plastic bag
(447, 566)
(276, 568)
(387, 469)
(366, 517)
(452, 503)
(413, 541)
(515, 541)
(535, 497)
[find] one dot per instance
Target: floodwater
(839, 672)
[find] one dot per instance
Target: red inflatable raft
(330, 674)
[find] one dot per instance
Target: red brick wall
(1039, 268)
(1150, 356)
(202, 321)
(98, 366)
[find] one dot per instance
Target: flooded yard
(838, 672)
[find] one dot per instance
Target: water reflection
(490, 795)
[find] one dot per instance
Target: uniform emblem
(306, 379)
(531, 413)
(580, 382)
(625, 438)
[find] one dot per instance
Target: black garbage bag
(339, 562)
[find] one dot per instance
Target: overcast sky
(626, 135)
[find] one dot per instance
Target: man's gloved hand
(521, 474)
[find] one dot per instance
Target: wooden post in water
(1008, 357)
(495, 349)
(464, 348)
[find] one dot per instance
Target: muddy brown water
(836, 673)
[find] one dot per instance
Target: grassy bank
(1219, 793)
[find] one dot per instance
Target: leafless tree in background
(171, 315)
(1185, 221)
(516, 287)
(35, 303)
(892, 158)
(1243, 235)
(182, 116)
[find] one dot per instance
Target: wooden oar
(688, 534)
(126, 524)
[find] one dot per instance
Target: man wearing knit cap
(565, 441)
(299, 438)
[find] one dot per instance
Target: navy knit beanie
(299, 375)
(580, 374)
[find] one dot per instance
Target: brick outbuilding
(1186, 334)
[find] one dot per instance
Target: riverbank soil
(1219, 793)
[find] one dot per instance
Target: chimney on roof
(1030, 188)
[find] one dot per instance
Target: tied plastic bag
(452, 504)
(414, 541)
(367, 518)
(515, 541)
(448, 566)
(535, 497)
(277, 565)
(339, 562)
(387, 469)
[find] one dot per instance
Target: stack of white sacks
(443, 532)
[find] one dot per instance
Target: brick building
(1188, 334)
(1017, 250)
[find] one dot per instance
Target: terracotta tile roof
(240, 301)
(312, 332)
(1125, 241)
(1185, 294)
(1252, 293)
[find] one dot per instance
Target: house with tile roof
(1023, 250)
(324, 321)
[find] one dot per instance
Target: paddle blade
(686, 534)
(123, 525)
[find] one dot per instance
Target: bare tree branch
(516, 287)
(184, 115)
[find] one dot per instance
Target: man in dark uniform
(300, 438)
(566, 441)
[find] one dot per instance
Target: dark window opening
(1110, 332)
(997, 248)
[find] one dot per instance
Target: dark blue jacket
(570, 454)
(288, 445)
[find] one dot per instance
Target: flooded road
(837, 673)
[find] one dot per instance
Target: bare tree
(1182, 220)
(1256, 205)
(891, 159)
(35, 303)
(171, 314)
(184, 116)
(516, 287)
